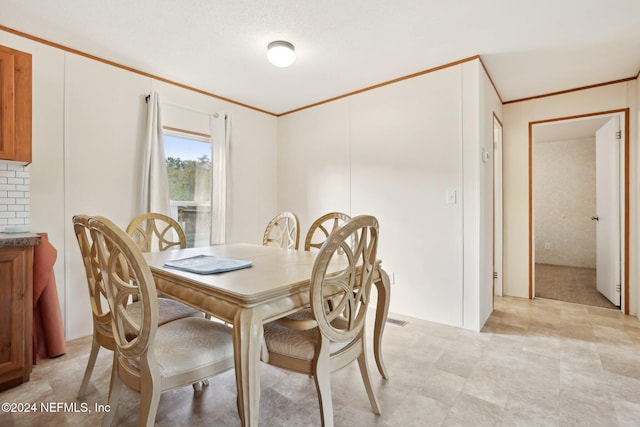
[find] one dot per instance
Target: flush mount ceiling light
(281, 53)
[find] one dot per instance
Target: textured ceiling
(529, 47)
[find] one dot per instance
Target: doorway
(578, 254)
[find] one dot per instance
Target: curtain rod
(215, 113)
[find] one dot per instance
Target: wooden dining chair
(334, 335)
(156, 230)
(322, 228)
(102, 335)
(151, 359)
(317, 234)
(283, 231)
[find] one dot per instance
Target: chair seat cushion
(296, 343)
(290, 342)
(190, 343)
(304, 314)
(168, 310)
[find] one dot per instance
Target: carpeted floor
(570, 284)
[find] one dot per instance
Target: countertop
(18, 239)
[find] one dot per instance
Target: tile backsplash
(14, 197)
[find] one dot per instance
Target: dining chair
(319, 231)
(334, 335)
(151, 228)
(102, 335)
(317, 234)
(156, 232)
(151, 359)
(322, 228)
(283, 231)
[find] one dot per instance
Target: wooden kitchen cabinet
(15, 105)
(16, 312)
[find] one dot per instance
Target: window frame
(174, 204)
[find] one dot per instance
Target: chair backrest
(322, 228)
(126, 275)
(343, 319)
(97, 292)
(283, 231)
(146, 229)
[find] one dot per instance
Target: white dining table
(276, 285)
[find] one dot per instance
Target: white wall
(406, 152)
(394, 152)
(88, 118)
(104, 120)
(314, 161)
(516, 173)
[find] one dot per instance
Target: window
(189, 168)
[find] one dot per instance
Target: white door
(607, 216)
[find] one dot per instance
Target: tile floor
(536, 363)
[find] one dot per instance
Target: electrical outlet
(547, 246)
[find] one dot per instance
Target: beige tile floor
(536, 363)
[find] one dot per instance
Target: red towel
(48, 334)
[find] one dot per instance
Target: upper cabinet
(15, 105)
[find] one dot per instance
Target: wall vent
(396, 321)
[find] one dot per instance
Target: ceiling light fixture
(281, 53)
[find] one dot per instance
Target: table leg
(247, 338)
(383, 286)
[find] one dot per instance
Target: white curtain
(220, 142)
(155, 183)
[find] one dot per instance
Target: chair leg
(91, 363)
(114, 397)
(322, 377)
(114, 372)
(383, 287)
(197, 386)
(366, 378)
(149, 399)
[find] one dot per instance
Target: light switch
(485, 155)
(451, 197)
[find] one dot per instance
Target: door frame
(498, 207)
(625, 256)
